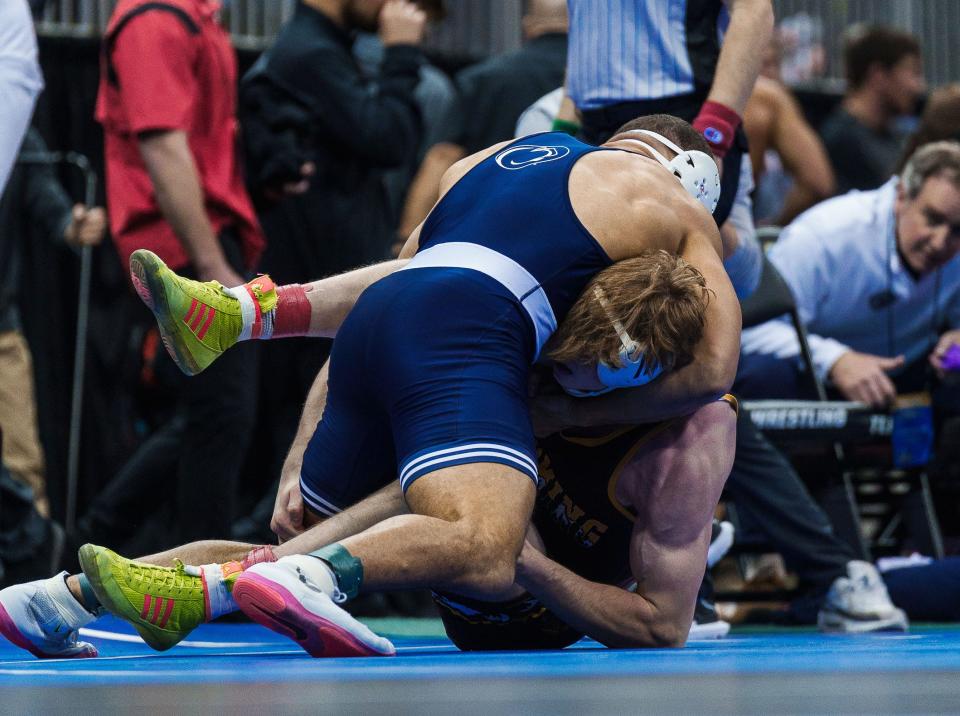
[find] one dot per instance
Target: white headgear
(696, 170)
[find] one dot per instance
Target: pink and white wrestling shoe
(43, 618)
(279, 596)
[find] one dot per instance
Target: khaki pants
(22, 453)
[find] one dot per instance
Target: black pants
(768, 491)
(774, 505)
(194, 459)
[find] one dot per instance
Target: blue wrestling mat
(245, 668)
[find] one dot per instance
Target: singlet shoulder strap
(111, 37)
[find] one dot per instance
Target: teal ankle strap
(346, 568)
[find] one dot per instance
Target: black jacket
(33, 204)
(306, 99)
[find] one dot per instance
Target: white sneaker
(43, 618)
(860, 603)
(717, 629)
(280, 597)
(721, 540)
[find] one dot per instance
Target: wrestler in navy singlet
(430, 368)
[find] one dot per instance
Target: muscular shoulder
(628, 203)
(458, 169)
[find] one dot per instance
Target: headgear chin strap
(696, 170)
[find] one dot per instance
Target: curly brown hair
(660, 299)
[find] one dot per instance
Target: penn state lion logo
(528, 155)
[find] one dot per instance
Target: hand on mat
(863, 377)
(287, 520)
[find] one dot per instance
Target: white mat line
(29, 670)
(133, 639)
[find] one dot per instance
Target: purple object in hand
(951, 359)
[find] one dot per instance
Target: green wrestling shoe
(163, 604)
(198, 321)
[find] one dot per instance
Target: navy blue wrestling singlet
(430, 368)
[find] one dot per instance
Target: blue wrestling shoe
(280, 597)
(43, 618)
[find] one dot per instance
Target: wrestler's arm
(674, 489)
(288, 516)
(751, 24)
(802, 153)
(677, 392)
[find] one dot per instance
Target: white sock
(73, 612)
(219, 599)
(316, 570)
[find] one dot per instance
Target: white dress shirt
(852, 290)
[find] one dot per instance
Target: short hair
(930, 160)
(673, 128)
(660, 299)
(866, 46)
(940, 121)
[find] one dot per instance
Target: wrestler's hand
(401, 23)
(287, 519)
(863, 377)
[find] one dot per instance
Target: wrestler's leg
(257, 309)
(516, 620)
(201, 552)
(465, 533)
